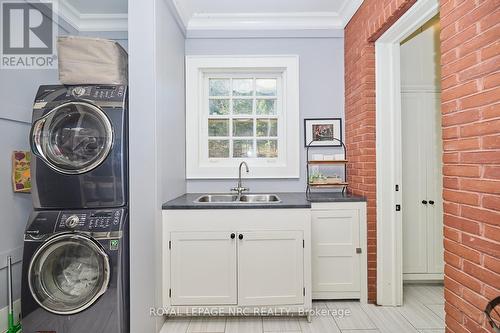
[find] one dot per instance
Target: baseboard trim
(423, 276)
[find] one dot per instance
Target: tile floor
(422, 312)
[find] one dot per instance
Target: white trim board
(388, 148)
(281, 33)
(265, 21)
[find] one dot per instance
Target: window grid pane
(249, 102)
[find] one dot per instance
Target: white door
(435, 258)
(335, 263)
(270, 268)
(203, 268)
(415, 131)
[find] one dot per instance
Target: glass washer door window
(73, 138)
(243, 117)
(68, 273)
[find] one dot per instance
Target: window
(243, 116)
(243, 108)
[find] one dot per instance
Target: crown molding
(179, 13)
(349, 9)
(262, 25)
(265, 21)
(92, 22)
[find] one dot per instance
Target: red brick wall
(370, 21)
(470, 60)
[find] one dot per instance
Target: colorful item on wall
(21, 176)
(323, 132)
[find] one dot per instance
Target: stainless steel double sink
(241, 199)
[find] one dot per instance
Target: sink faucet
(239, 189)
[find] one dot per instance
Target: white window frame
(198, 69)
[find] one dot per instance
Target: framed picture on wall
(322, 132)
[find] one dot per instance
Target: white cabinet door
(270, 268)
(414, 188)
(422, 180)
(203, 268)
(435, 259)
(335, 263)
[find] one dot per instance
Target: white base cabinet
(339, 262)
(203, 268)
(235, 262)
(271, 268)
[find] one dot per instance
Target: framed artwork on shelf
(323, 132)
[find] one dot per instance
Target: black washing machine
(75, 272)
(79, 143)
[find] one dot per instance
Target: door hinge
(304, 291)
(169, 245)
(303, 244)
(397, 188)
(398, 208)
(170, 293)
(358, 250)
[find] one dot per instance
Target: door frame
(388, 150)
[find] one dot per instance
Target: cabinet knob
(424, 202)
(431, 202)
(240, 236)
(233, 235)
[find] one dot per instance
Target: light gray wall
(321, 92)
(14, 207)
(156, 69)
(17, 92)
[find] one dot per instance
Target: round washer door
(68, 273)
(73, 138)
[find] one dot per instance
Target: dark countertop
(288, 200)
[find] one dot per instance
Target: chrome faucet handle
(240, 189)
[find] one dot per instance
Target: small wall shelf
(325, 184)
(342, 184)
(328, 162)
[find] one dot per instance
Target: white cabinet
(422, 187)
(203, 268)
(223, 259)
(270, 268)
(338, 236)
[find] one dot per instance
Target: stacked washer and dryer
(75, 265)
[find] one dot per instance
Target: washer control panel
(98, 92)
(72, 221)
(104, 219)
(90, 220)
